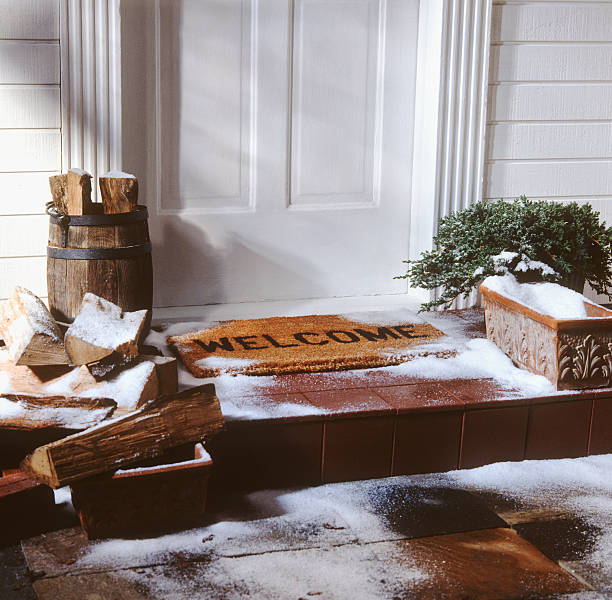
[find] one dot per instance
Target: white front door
(284, 133)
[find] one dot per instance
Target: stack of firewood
(100, 347)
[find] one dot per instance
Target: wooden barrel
(109, 255)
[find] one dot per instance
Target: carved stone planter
(572, 353)
(145, 500)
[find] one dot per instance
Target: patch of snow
(119, 175)
(224, 363)
(79, 172)
(10, 409)
(546, 298)
(125, 389)
(104, 324)
(5, 383)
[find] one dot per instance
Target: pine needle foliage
(569, 238)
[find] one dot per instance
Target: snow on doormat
(304, 344)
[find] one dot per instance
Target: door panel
(284, 148)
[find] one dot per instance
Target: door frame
(450, 107)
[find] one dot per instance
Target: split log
(58, 185)
(119, 192)
(29, 331)
(167, 373)
(78, 193)
(20, 411)
(102, 328)
(163, 423)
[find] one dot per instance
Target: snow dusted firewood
(102, 328)
(29, 331)
(20, 411)
(78, 193)
(58, 185)
(119, 192)
(163, 423)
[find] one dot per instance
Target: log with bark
(102, 328)
(168, 421)
(119, 192)
(29, 331)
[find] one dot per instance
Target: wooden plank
(535, 102)
(29, 19)
(533, 62)
(29, 62)
(163, 423)
(30, 107)
(31, 272)
(30, 150)
(56, 283)
(552, 22)
(525, 141)
(23, 235)
(548, 179)
(28, 191)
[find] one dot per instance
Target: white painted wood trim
(90, 46)
(452, 80)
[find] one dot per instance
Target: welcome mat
(302, 344)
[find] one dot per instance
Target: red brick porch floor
(359, 427)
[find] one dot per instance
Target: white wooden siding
(30, 140)
(549, 127)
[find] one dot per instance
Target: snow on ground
(546, 298)
(337, 515)
(473, 359)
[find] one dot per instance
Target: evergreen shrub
(534, 241)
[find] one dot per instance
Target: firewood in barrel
(102, 328)
(166, 422)
(119, 192)
(58, 185)
(78, 193)
(29, 331)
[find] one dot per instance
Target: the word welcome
(309, 338)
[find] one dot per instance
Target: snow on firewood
(546, 298)
(29, 331)
(101, 328)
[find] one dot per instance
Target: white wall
(549, 127)
(30, 140)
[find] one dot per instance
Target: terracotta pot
(144, 500)
(571, 353)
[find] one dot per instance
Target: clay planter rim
(603, 318)
(201, 462)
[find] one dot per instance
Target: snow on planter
(550, 330)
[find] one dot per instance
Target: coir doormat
(301, 344)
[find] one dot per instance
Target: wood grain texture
(27, 62)
(30, 107)
(78, 193)
(30, 150)
(120, 504)
(119, 194)
(163, 423)
(29, 19)
(127, 282)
